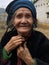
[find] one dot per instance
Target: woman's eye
(28, 16)
(19, 16)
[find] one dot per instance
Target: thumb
(25, 45)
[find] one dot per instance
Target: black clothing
(0, 53)
(37, 44)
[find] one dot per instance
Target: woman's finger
(25, 45)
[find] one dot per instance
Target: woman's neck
(25, 35)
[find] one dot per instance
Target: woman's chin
(23, 32)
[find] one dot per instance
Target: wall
(42, 9)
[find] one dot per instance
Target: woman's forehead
(23, 9)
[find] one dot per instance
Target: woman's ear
(13, 22)
(34, 23)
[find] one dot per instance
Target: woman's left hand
(24, 54)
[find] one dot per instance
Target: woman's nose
(23, 20)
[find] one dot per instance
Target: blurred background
(42, 7)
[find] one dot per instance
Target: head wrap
(16, 4)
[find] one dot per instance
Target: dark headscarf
(16, 4)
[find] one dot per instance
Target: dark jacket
(37, 44)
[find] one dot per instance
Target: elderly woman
(23, 45)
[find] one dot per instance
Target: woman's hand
(24, 54)
(14, 42)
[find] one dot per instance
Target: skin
(22, 22)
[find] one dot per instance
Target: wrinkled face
(23, 20)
